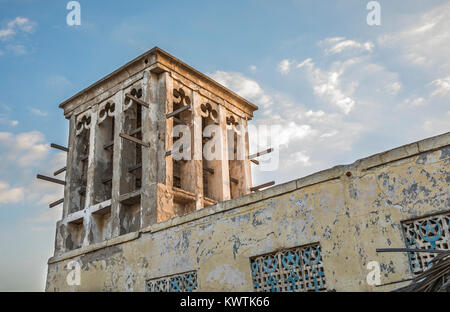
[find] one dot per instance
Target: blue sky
(339, 88)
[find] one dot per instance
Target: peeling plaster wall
(350, 216)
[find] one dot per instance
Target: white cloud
(5, 121)
(301, 158)
(285, 66)
(253, 68)
(437, 125)
(326, 85)
(442, 86)
(339, 44)
(413, 102)
(18, 24)
(393, 88)
(17, 49)
(10, 195)
(38, 112)
(25, 148)
(425, 41)
(245, 87)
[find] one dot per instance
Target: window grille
(431, 232)
(298, 269)
(185, 282)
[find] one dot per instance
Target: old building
(137, 217)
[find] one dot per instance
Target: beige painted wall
(350, 216)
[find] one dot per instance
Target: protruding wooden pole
(138, 101)
(257, 188)
(56, 203)
(42, 177)
(133, 139)
(62, 148)
(178, 111)
(59, 171)
(267, 151)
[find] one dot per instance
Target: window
(297, 269)
(432, 232)
(184, 282)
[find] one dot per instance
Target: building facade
(137, 218)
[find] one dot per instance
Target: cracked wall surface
(350, 210)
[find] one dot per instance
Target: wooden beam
(56, 203)
(254, 161)
(257, 188)
(168, 153)
(111, 143)
(108, 145)
(178, 111)
(62, 148)
(59, 171)
(42, 177)
(135, 167)
(178, 120)
(210, 170)
(138, 101)
(106, 180)
(267, 151)
(133, 139)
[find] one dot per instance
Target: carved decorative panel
(83, 122)
(209, 110)
(426, 233)
(106, 110)
(180, 97)
(298, 269)
(136, 92)
(185, 282)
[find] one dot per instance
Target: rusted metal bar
(42, 177)
(178, 111)
(133, 139)
(62, 148)
(257, 188)
(138, 101)
(235, 181)
(135, 167)
(56, 203)
(411, 250)
(267, 151)
(254, 161)
(59, 171)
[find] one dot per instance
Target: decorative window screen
(185, 282)
(297, 269)
(426, 233)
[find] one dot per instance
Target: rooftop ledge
(365, 164)
(155, 60)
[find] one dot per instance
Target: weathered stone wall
(350, 210)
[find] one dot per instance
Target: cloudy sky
(337, 88)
